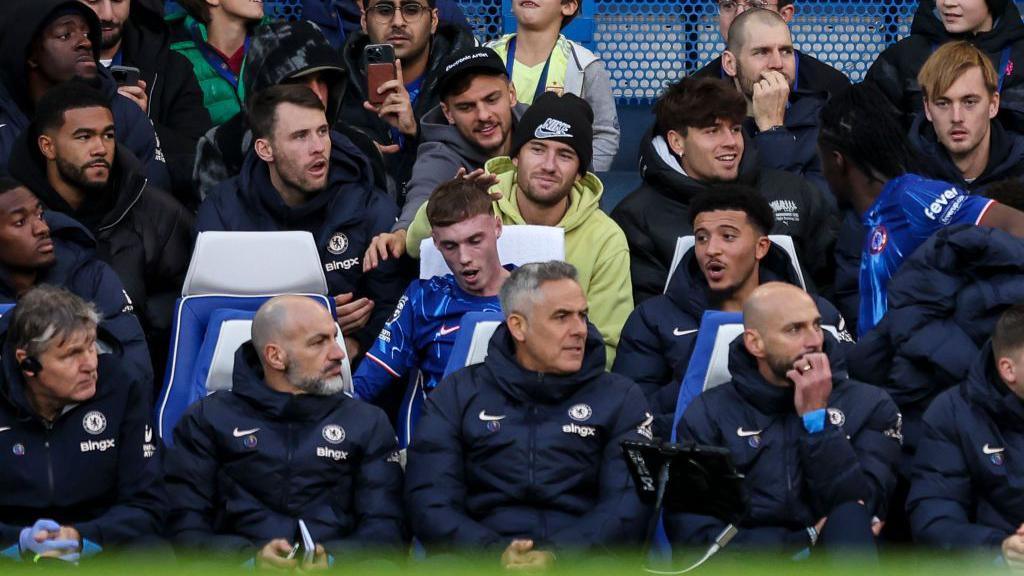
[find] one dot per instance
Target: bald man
(818, 450)
(782, 118)
(285, 444)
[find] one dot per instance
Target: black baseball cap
(478, 59)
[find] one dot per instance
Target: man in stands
(421, 45)
(80, 470)
(994, 26)
(698, 143)
(135, 35)
(961, 140)
(50, 248)
(302, 176)
(818, 451)
(869, 165)
(421, 332)
(286, 444)
(782, 122)
(70, 159)
(48, 42)
(813, 74)
(732, 256)
(472, 124)
(545, 182)
(520, 455)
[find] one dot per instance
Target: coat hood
(15, 42)
(73, 246)
(986, 390)
(584, 198)
(1006, 26)
(527, 386)
(688, 288)
(1006, 154)
(434, 127)
(283, 50)
(247, 382)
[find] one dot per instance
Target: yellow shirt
(525, 78)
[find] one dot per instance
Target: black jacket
(812, 75)
(175, 99)
(501, 452)
(80, 271)
(657, 213)
(968, 491)
(278, 51)
(1005, 159)
(96, 467)
(448, 39)
(249, 463)
(895, 70)
(142, 232)
(792, 478)
(342, 219)
(658, 338)
(133, 129)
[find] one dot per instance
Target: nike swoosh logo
(488, 418)
(678, 332)
(744, 433)
(239, 433)
(5, 428)
(545, 133)
(444, 331)
(989, 450)
(2, 125)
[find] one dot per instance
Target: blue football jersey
(419, 335)
(907, 212)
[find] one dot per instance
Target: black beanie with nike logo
(566, 118)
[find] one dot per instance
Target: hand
(319, 562)
(274, 555)
(771, 94)
(49, 539)
(352, 314)
(520, 555)
(812, 382)
(384, 149)
(876, 526)
(384, 246)
(1013, 551)
(396, 109)
(482, 179)
(136, 94)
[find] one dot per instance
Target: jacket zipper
(49, 460)
(287, 470)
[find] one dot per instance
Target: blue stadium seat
(5, 308)
(519, 244)
(471, 343)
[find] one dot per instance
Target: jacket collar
(767, 398)
(247, 382)
(985, 389)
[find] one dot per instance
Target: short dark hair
(1008, 336)
(461, 84)
(739, 197)
(7, 184)
(262, 110)
(197, 9)
(457, 200)
(74, 94)
(861, 124)
(697, 103)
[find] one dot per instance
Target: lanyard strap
(219, 64)
(510, 63)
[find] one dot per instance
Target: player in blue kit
(422, 330)
(867, 161)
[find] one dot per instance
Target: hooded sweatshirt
(131, 126)
(594, 244)
(657, 213)
(658, 339)
(279, 51)
(895, 70)
(1005, 156)
(442, 151)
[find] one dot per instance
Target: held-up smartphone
(380, 68)
(125, 75)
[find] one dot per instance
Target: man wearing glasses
(813, 75)
(422, 45)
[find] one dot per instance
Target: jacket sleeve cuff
(814, 421)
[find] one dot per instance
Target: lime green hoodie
(594, 244)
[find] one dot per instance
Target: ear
(264, 150)
(19, 356)
(497, 226)
(928, 109)
(729, 63)
(517, 326)
(842, 166)
(447, 113)
(676, 142)
(993, 106)
(47, 147)
(753, 343)
(275, 357)
(434, 21)
(787, 12)
(571, 7)
(761, 250)
(362, 16)
(512, 94)
(1007, 371)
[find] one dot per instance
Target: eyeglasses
(384, 12)
(729, 6)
